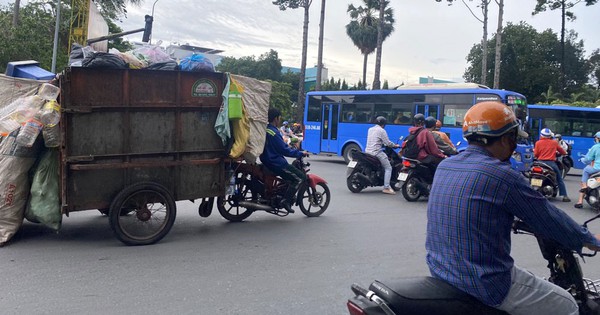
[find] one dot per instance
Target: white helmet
(546, 133)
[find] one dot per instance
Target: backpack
(410, 148)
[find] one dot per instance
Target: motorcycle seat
(428, 295)
(357, 155)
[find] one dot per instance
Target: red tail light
(354, 310)
(406, 163)
(537, 169)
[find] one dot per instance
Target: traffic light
(147, 28)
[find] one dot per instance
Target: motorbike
(565, 162)
(428, 295)
(543, 179)
(254, 188)
(365, 170)
(415, 179)
(591, 193)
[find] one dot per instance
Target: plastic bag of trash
(44, 202)
(196, 62)
(104, 60)
(151, 54)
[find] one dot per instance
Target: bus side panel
(312, 137)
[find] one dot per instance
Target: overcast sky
(430, 38)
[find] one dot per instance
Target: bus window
(348, 113)
(402, 114)
(314, 109)
(364, 113)
(384, 110)
(454, 114)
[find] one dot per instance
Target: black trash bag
(104, 60)
(167, 65)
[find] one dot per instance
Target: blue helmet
(597, 135)
(285, 123)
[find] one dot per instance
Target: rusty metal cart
(135, 141)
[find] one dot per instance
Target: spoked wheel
(314, 201)
(142, 213)
(354, 183)
(229, 207)
(410, 189)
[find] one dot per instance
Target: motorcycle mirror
(590, 220)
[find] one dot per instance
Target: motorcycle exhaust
(255, 206)
(364, 179)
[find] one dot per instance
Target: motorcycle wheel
(314, 201)
(353, 183)
(228, 205)
(410, 189)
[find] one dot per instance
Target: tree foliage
(531, 62)
(33, 38)
(594, 65)
(566, 15)
(266, 67)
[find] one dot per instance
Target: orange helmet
(490, 119)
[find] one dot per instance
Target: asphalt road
(265, 265)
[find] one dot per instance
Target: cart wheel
(142, 214)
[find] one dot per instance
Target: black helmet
(430, 122)
(380, 120)
(419, 119)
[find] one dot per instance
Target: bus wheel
(348, 151)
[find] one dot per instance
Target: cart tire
(142, 214)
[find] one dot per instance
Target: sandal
(578, 205)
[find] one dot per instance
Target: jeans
(562, 189)
(531, 295)
(294, 177)
(587, 172)
(385, 162)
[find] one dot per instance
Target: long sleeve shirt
(473, 202)
(275, 151)
(377, 138)
(545, 149)
(593, 156)
(426, 143)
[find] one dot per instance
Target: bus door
(329, 128)
(535, 125)
(428, 110)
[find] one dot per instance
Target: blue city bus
(576, 125)
(336, 122)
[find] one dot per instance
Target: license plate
(536, 182)
(352, 164)
(402, 176)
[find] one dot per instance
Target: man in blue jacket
(273, 157)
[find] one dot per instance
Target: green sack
(44, 202)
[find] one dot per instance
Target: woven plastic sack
(44, 201)
(15, 162)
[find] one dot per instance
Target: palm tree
(295, 4)
(320, 52)
(362, 30)
(383, 12)
(550, 96)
